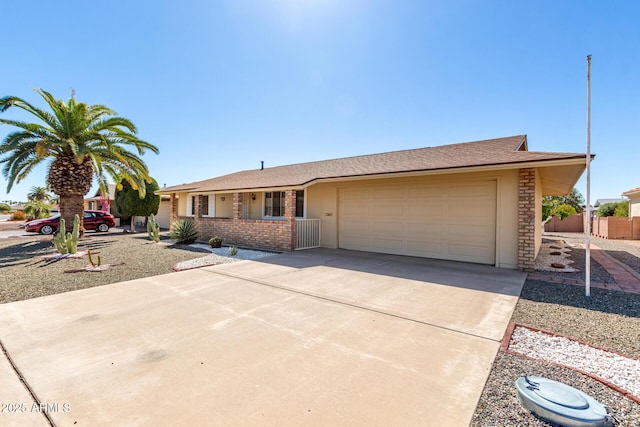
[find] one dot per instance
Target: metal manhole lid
(560, 394)
(561, 403)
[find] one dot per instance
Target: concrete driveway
(319, 337)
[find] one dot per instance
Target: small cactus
(93, 263)
(67, 243)
(233, 250)
(153, 229)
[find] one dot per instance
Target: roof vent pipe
(261, 165)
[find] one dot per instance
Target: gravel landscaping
(219, 256)
(608, 319)
(26, 274)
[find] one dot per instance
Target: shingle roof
(500, 151)
(632, 191)
(601, 202)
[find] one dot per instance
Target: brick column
(173, 213)
(196, 212)
(237, 206)
(526, 219)
(290, 216)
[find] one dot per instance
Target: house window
(205, 206)
(191, 205)
(299, 203)
(274, 203)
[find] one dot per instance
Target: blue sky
(219, 85)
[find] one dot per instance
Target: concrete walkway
(309, 338)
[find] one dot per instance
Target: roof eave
(579, 159)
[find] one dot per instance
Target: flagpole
(587, 269)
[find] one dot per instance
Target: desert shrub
(184, 232)
(622, 209)
(607, 209)
(564, 211)
(18, 216)
(4, 208)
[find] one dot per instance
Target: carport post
(587, 269)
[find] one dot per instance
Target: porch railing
(307, 233)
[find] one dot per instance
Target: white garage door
(445, 220)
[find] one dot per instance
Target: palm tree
(39, 194)
(82, 141)
(37, 209)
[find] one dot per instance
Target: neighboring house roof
(509, 152)
(96, 196)
(601, 202)
(632, 192)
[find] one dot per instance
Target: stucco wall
(322, 203)
(538, 221)
(634, 206)
(224, 208)
(182, 204)
(164, 213)
(254, 207)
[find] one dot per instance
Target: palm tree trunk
(70, 206)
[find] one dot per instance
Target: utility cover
(561, 403)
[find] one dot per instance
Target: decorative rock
(555, 253)
(557, 265)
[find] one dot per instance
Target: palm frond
(73, 129)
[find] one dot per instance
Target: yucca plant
(184, 232)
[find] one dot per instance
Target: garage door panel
(424, 247)
(435, 210)
(356, 210)
(358, 242)
(425, 230)
(467, 232)
(454, 221)
(356, 194)
(468, 253)
(356, 227)
(429, 192)
(387, 194)
(475, 190)
(393, 211)
(383, 245)
(386, 227)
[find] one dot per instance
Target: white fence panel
(307, 233)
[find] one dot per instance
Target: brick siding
(271, 234)
(526, 219)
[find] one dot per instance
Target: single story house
(475, 202)
(634, 201)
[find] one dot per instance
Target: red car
(93, 220)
